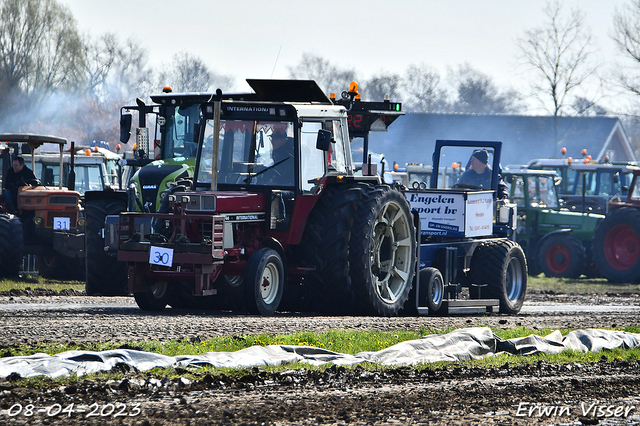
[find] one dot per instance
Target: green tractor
(557, 241)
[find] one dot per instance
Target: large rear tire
(104, 274)
(11, 246)
(561, 255)
(264, 281)
(616, 246)
(325, 248)
(503, 267)
(382, 251)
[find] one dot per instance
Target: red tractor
(274, 212)
(616, 243)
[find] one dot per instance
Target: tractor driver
(282, 155)
(479, 172)
(17, 176)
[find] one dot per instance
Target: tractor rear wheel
(616, 246)
(11, 246)
(325, 249)
(104, 274)
(156, 299)
(382, 251)
(264, 281)
(503, 267)
(561, 255)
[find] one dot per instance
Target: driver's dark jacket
(483, 180)
(12, 180)
(480, 180)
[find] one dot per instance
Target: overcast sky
(261, 39)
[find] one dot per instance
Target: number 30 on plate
(161, 256)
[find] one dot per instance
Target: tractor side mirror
(125, 127)
(324, 140)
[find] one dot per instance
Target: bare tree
(40, 48)
(587, 107)
(189, 73)
(101, 56)
(329, 78)
(559, 52)
(476, 93)
(379, 86)
(421, 85)
(626, 24)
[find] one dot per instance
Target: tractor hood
(221, 202)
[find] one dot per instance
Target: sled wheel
(264, 280)
(435, 289)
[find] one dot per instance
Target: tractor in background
(48, 222)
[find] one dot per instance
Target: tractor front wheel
(156, 299)
(264, 280)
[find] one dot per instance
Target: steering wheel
(465, 186)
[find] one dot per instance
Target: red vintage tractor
(274, 212)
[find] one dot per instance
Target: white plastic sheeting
(458, 345)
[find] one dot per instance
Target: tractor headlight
(81, 221)
(37, 221)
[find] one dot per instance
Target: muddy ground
(602, 393)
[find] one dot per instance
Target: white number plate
(161, 256)
(61, 223)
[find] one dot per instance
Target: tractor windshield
(250, 152)
(178, 139)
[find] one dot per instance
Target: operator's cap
(482, 155)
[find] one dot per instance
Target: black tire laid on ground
(616, 246)
(325, 248)
(431, 279)
(157, 299)
(59, 267)
(11, 246)
(561, 255)
(382, 251)
(104, 274)
(264, 281)
(502, 266)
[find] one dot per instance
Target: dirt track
(536, 394)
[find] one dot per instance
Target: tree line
(53, 79)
